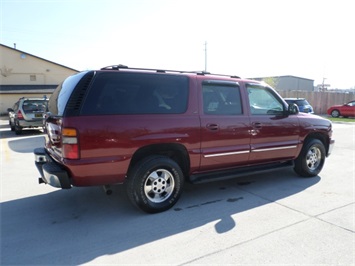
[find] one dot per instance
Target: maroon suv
(155, 129)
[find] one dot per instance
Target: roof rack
(202, 73)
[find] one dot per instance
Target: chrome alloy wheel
(159, 185)
(314, 157)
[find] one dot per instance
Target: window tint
(31, 106)
(263, 101)
(302, 102)
(136, 93)
(60, 97)
(221, 100)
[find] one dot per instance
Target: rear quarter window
(59, 99)
(136, 93)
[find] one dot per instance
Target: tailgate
(53, 130)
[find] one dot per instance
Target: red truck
(154, 129)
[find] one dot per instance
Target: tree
(271, 81)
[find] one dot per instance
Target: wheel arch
(322, 137)
(174, 151)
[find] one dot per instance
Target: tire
(335, 113)
(18, 130)
(155, 184)
(310, 161)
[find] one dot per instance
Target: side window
(136, 93)
(263, 101)
(221, 100)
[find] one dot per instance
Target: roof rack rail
(202, 73)
(114, 67)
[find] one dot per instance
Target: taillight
(70, 143)
(19, 115)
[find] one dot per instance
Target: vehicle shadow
(78, 225)
(7, 133)
(26, 144)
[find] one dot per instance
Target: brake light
(70, 143)
(19, 115)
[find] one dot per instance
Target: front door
(274, 135)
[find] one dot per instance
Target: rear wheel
(18, 129)
(155, 184)
(311, 159)
(335, 113)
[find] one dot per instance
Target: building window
(32, 77)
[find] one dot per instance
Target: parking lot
(271, 219)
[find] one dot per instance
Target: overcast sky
(251, 38)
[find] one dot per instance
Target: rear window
(32, 106)
(302, 102)
(299, 102)
(136, 93)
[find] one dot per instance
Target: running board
(237, 172)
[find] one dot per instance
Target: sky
(313, 39)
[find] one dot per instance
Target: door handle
(257, 125)
(213, 127)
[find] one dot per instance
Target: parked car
(27, 113)
(153, 130)
(302, 103)
(345, 110)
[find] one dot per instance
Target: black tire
(335, 113)
(18, 130)
(310, 161)
(155, 184)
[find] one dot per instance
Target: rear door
(274, 135)
(224, 125)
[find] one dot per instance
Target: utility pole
(205, 56)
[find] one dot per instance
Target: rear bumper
(51, 172)
(30, 123)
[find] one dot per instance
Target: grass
(341, 119)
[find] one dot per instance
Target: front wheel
(155, 184)
(310, 161)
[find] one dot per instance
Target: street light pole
(323, 88)
(205, 56)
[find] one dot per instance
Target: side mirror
(293, 109)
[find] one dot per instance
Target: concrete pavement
(271, 219)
